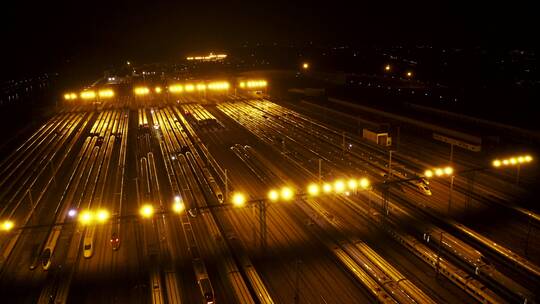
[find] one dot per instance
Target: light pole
(450, 194)
(513, 161)
(320, 170)
(390, 164)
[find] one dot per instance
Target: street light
(141, 91)
(7, 225)
(106, 93)
(287, 193)
(305, 65)
(513, 161)
(387, 68)
(86, 217)
(364, 183)
(327, 188)
(70, 96)
(339, 186)
(176, 88)
(313, 189)
(102, 215)
(238, 199)
(158, 90)
(439, 172)
(352, 184)
(273, 195)
(189, 88)
(146, 211)
(178, 205)
(88, 95)
(409, 74)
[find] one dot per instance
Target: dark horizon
(47, 37)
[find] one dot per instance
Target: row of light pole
(340, 186)
(514, 161)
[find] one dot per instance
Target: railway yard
(249, 199)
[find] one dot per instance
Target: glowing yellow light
(496, 163)
(513, 160)
(7, 225)
(339, 186)
(88, 94)
(313, 189)
(505, 162)
(141, 91)
(86, 217)
(352, 184)
(364, 183)
(428, 173)
(73, 96)
(387, 67)
(178, 207)
(528, 158)
(439, 172)
(201, 87)
(189, 88)
(238, 199)
(287, 193)
(107, 93)
(327, 188)
(158, 90)
(305, 65)
(409, 74)
(67, 96)
(448, 170)
(146, 211)
(102, 215)
(254, 84)
(176, 88)
(216, 86)
(273, 195)
(209, 57)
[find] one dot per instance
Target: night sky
(49, 36)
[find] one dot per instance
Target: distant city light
(209, 57)
(305, 65)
